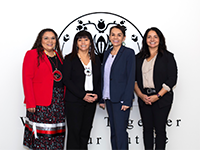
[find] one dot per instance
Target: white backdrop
(21, 20)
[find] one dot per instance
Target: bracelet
(159, 96)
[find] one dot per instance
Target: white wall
(178, 20)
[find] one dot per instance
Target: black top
(55, 63)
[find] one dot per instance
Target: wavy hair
(38, 44)
(145, 53)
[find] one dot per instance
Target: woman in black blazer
(156, 75)
(82, 77)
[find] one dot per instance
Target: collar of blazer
(46, 60)
(82, 68)
(122, 48)
(109, 51)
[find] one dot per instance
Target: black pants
(154, 119)
(79, 123)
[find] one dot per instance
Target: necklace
(57, 75)
(114, 53)
(87, 69)
(54, 53)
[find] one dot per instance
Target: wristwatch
(159, 96)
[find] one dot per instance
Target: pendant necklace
(114, 53)
(87, 70)
(57, 75)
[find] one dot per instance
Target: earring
(110, 43)
(123, 43)
(90, 49)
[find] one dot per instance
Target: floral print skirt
(45, 129)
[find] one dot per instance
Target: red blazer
(37, 80)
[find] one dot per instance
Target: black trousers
(79, 123)
(154, 119)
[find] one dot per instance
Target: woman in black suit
(156, 75)
(82, 77)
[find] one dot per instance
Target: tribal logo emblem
(99, 24)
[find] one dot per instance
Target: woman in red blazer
(44, 93)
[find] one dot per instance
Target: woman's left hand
(95, 96)
(153, 98)
(124, 107)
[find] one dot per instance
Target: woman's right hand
(32, 110)
(144, 97)
(102, 105)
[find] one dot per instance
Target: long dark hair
(83, 34)
(38, 44)
(145, 53)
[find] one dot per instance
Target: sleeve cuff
(166, 87)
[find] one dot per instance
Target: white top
(88, 76)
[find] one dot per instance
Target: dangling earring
(110, 43)
(123, 43)
(90, 49)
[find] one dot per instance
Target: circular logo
(99, 24)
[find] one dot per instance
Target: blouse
(88, 76)
(106, 83)
(147, 74)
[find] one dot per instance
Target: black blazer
(74, 78)
(165, 71)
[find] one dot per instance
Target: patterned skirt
(45, 129)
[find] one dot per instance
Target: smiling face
(48, 41)
(152, 40)
(83, 44)
(116, 37)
